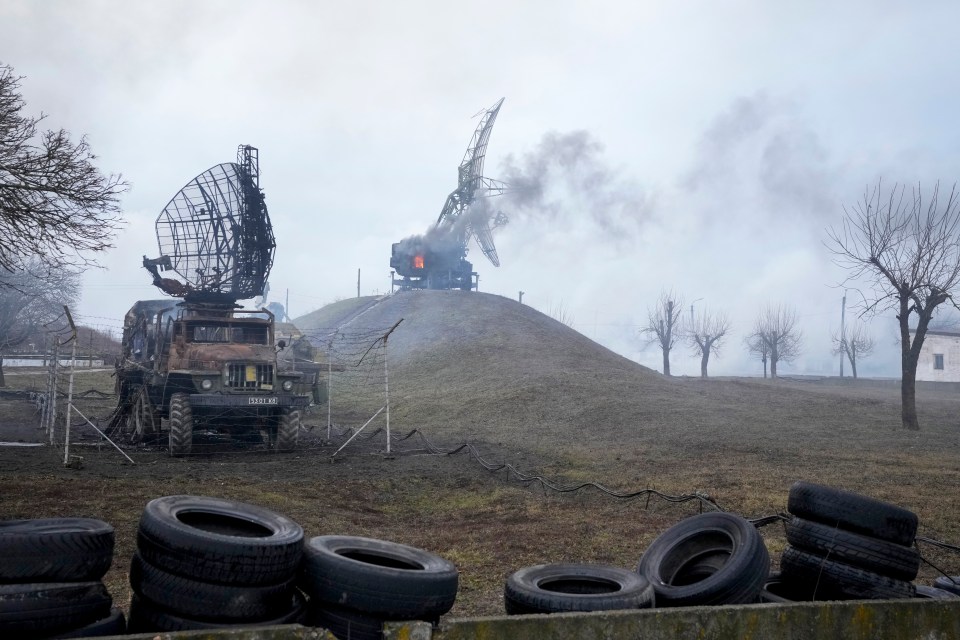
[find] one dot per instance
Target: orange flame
(418, 262)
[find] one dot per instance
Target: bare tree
(55, 205)
(908, 254)
(758, 346)
(705, 336)
(30, 299)
(777, 329)
(855, 345)
(663, 326)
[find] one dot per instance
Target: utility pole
(843, 335)
(286, 308)
(521, 297)
(358, 283)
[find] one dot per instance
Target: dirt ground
(588, 417)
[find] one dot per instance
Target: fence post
(52, 400)
(73, 365)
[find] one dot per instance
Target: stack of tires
(205, 563)
(50, 579)
(355, 584)
(558, 588)
(843, 545)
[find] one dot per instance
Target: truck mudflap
(241, 400)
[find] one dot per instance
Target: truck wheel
(181, 425)
(288, 430)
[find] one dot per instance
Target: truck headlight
(206, 384)
(287, 385)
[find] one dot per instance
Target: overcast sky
(715, 141)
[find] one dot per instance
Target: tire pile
(50, 579)
(843, 545)
(204, 563)
(355, 584)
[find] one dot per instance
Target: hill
(485, 368)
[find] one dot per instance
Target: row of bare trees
(776, 336)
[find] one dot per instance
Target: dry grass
(528, 390)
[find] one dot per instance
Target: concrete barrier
(862, 620)
(918, 619)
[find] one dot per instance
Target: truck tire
(853, 512)
(220, 541)
(206, 600)
(682, 563)
(181, 425)
(948, 583)
(344, 623)
(836, 580)
(146, 617)
(55, 550)
(113, 625)
(288, 430)
(872, 554)
(44, 609)
(378, 577)
(557, 588)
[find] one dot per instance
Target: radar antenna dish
(215, 234)
(458, 214)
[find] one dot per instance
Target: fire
(418, 262)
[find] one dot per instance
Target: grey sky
(740, 127)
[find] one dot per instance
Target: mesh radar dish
(471, 184)
(215, 234)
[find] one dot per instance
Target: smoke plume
(566, 175)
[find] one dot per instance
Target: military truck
(203, 362)
(212, 368)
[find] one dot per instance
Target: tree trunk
(3, 382)
(908, 392)
(764, 367)
(666, 361)
(853, 365)
(704, 359)
(908, 362)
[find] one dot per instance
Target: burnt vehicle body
(422, 266)
(211, 368)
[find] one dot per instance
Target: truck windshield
(227, 333)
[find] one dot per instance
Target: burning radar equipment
(204, 363)
(437, 259)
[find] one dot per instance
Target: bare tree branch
(55, 205)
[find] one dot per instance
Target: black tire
(146, 617)
(872, 554)
(853, 512)
(219, 541)
(207, 601)
(781, 590)
(826, 579)
(288, 430)
(346, 624)
(46, 608)
(555, 588)
(113, 625)
(378, 577)
(55, 550)
(181, 425)
(951, 584)
(933, 593)
(682, 563)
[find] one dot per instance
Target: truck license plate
(268, 400)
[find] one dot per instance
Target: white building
(940, 357)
